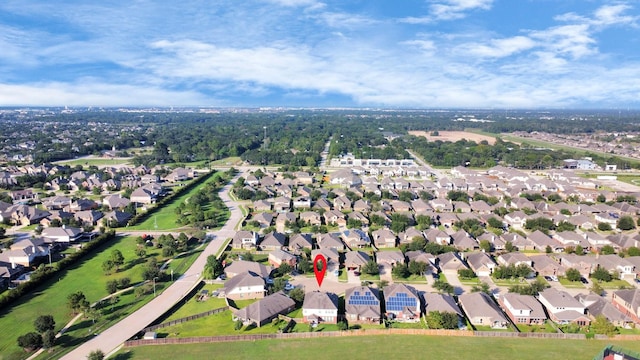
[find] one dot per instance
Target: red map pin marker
(319, 273)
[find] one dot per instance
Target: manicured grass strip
(97, 162)
(382, 347)
(166, 217)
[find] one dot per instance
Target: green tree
(608, 250)
(602, 325)
(371, 268)
(509, 247)
(283, 269)
(602, 226)
(278, 285)
(77, 302)
(573, 274)
(297, 295)
(626, 223)
(342, 325)
(44, 323)
(141, 252)
(213, 268)
(96, 355)
(633, 251)
(400, 271)
(238, 325)
(485, 245)
(48, 339)
(108, 266)
(466, 273)
(112, 286)
(579, 250)
(601, 274)
(597, 289)
(483, 287)
(443, 286)
(495, 223)
(442, 320)
(417, 267)
(417, 243)
(30, 341)
(117, 258)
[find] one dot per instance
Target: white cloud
(501, 47)
(89, 92)
(456, 9)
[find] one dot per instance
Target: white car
(288, 287)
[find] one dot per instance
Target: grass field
(88, 277)
(166, 217)
(51, 298)
(97, 162)
(382, 347)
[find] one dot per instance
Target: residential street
(112, 338)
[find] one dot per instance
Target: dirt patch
(454, 136)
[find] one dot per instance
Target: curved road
(110, 339)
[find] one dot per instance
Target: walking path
(111, 339)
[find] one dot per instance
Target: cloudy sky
(351, 53)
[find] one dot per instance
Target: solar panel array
(400, 301)
(366, 299)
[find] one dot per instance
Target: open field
(51, 298)
(96, 161)
(165, 218)
(382, 347)
(454, 136)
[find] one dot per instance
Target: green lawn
(546, 328)
(97, 162)
(193, 306)
(214, 325)
(87, 276)
(166, 217)
(570, 284)
(412, 279)
(615, 284)
(384, 347)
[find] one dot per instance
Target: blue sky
(359, 53)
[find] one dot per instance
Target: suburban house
(480, 263)
(120, 218)
(402, 303)
(628, 302)
(272, 241)
(450, 262)
(298, 242)
(546, 266)
(264, 310)
(523, 309)
(384, 238)
(331, 255)
(285, 218)
(278, 257)
(263, 219)
(246, 285)
(25, 252)
(515, 259)
(356, 238)
(355, 260)
(244, 239)
(482, 311)
(330, 241)
(441, 303)
(362, 305)
(242, 266)
(597, 305)
(320, 307)
(311, 218)
(562, 308)
(390, 258)
(62, 234)
(116, 202)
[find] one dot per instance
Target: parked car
(584, 281)
(269, 281)
(288, 287)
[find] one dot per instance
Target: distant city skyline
(307, 53)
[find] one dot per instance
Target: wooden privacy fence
(185, 319)
(367, 332)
